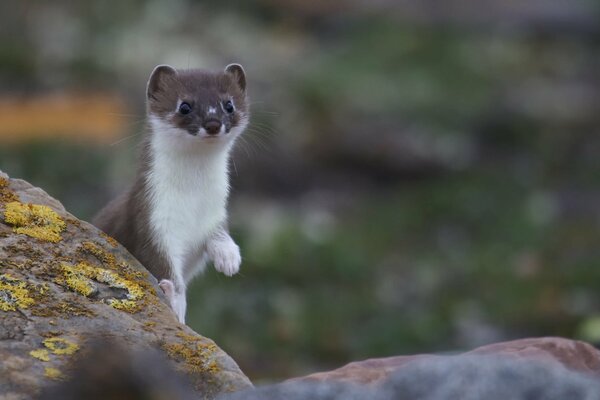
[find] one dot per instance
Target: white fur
(225, 254)
(188, 187)
(176, 300)
(212, 110)
(188, 190)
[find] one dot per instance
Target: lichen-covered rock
(64, 284)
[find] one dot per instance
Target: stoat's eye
(185, 108)
(228, 106)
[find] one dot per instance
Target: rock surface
(64, 286)
(570, 354)
(527, 369)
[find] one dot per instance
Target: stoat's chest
(187, 200)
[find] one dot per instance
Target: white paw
(168, 288)
(226, 257)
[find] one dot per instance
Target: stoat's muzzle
(212, 126)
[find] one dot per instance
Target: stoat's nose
(212, 126)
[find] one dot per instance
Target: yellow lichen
(13, 294)
(195, 352)
(112, 241)
(99, 253)
(53, 373)
(61, 346)
(134, 291)
(43, 288)
(109, 260)
(79, 279)
(73, 309)
(6, 195)
(123, 305)
(40, 354)
(37, 221)
(149, 325)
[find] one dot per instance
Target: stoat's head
(198, 104)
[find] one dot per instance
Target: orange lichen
(13, 293)
(61, 346)
(40, 354)
(37, 221)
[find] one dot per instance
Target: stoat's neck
(187, 186)
(179, 160)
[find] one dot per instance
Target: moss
(53, 373)
(37, 221)
(40, 354)
(195, 352)
(61, 346)
(6, 195)
(14, 293)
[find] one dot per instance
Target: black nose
(212, 126)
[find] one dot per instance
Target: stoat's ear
(159, 79)
(238, 72)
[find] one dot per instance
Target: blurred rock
(64, 286)
(545, 368)
(570, 354)
(111, 371)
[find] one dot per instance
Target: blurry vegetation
(415, 180)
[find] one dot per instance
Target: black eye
(185, 108)
(228, 106)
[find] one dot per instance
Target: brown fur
(197, 88)
(126, 218)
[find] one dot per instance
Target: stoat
(173, 218)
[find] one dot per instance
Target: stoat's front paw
(226, 257)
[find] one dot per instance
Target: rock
(110, 372)
(571, 354)
(545, 368)
(65, 285)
